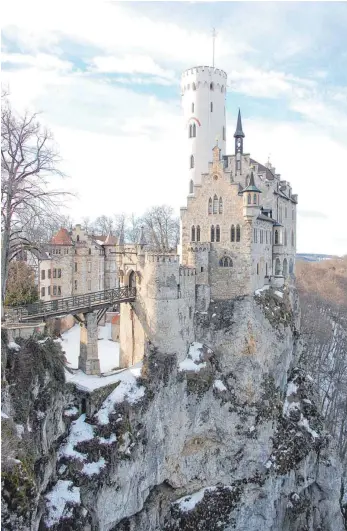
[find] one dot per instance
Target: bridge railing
(66, 304)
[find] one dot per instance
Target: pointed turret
(251, 194)
(239, 136)
(142, 238)
(239, 132)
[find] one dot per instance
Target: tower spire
(239, 132)
(214, 35)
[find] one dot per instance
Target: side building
(77, 263)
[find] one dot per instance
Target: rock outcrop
(227, 439)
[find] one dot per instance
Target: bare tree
(28, 159)
(162, 228)
(103, 225)
(133, 228)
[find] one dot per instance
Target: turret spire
(239, 133)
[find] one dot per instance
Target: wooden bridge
(89, 302)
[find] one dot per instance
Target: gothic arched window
(193, 86)
(198, 233)
(194, 130)
(217, 233)
(249, 199)
(238, 233)
(220, 205)
(211, 106)
(193, 234)
(285, 236)
(191, 161)
(225, 262)
(232, 233)
(211, 86)
(254, 199)
(285, 267)
(278, 266)
(190, 131)
(276, 237)
(210, 206)
(191, 186)
(257, 269)
(215, 204)
(212, 233)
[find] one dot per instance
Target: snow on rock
(279, 294)
(218, 384)
(71, 412)
(303, 422)
(93, 468)
(111, 439)
(290, 404)
(13, 346)
(192, 361)
(80, 431)
(188, 503)
(126, 390)
(62, 493)
(19, 430)
(264, 288)
(4, 416)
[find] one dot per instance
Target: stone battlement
(203, 69)
(160, 257)
(187, 271)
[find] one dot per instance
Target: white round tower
(203, 91)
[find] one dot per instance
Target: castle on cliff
(238, 231)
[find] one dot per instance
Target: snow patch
(93, 468)
(80, 431)
(111, 440)
(303, 422)
(192, 361)
(259, 291)
(71, 412)
(279, 294)
(19, 430)
(218, 384)
(4, 416)
(62, 493)
(187, 503)
(13, 346)
(126, 390)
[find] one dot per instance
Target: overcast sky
(106, 77)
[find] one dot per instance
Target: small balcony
(278, 249)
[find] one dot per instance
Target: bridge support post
(88, 360)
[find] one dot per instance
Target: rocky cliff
(230, 438)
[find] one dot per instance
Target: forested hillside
(323, 294)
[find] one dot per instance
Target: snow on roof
(62, 493)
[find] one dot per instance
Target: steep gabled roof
(251, 187)
(61, 238)
(110, 240)
(239, 132)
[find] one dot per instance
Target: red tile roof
(62, 238)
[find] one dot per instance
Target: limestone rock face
(227, 439)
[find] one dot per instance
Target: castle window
(198, 233)
(49, 290)
(292, 238)
(75, 284)
(211, 106)
(89, 264)
(286, 212)
(261, 236)
(257, 269)
(192, 107)
(49, 273)
(54, 273)
(89, 285)
(54, 290)
(278, 266)
(77, 238)
(201, 269)
(238, 166)
(225, 262)
(191, 161)
(285, 267)
(211, 86)
(43, 274)
(43, 292)
(220, 205)
(238, 233)
(271, 238)
(59, 273)
(59, 290)
(254, 199)
(232, 233)
(210, 206)
(193, 86)
(193, 234)
(280, 214)
(190, 131)
(249, 199)
(75, 267)
(276, 237)
(194, 130)
(266, 236)
(217, 233)
(266, 269)
(212, 233)
(215, 205)
(191, 186)
(285, 236)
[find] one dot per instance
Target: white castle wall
(197, 97)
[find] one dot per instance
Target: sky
(105, 77)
